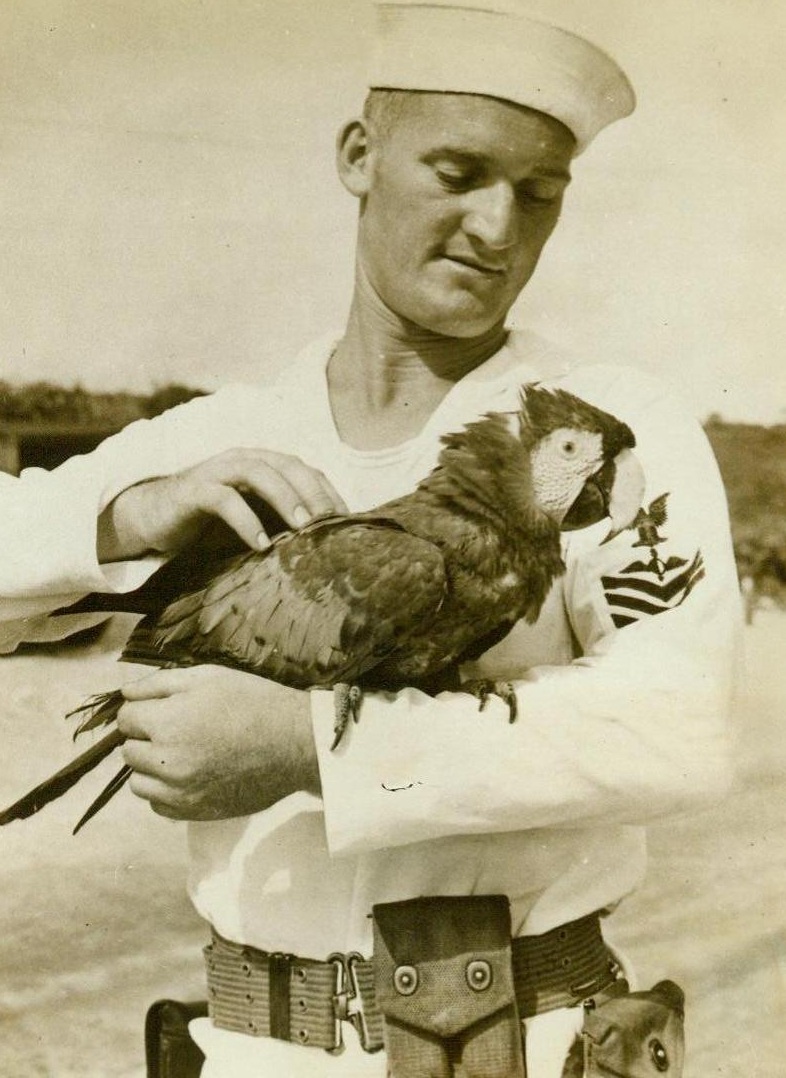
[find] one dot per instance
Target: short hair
(383, 109)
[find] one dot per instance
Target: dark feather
(106, 795)
(61, 782)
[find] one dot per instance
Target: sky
(169, 209)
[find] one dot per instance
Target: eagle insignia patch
(654, 584)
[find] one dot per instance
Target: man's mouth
(487, 269)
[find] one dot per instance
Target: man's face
(463, 193)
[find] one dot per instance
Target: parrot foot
(346, 702)
(483, 688)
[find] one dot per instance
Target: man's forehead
(479, 126)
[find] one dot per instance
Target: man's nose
(492, 216)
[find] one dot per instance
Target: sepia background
(169, 212)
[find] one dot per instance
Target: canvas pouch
(444, 984)
(632, 1035)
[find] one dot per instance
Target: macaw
(398, 596)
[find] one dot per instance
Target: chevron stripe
(630, 602)
(637, 596)
(664, 591)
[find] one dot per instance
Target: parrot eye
(568, 448)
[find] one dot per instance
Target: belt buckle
(347, 1000)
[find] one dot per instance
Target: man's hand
(167, 514)
(208, 742)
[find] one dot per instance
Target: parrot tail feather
(63, 780)
(104, 797)
(98, 710)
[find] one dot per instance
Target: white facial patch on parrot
(562, 462)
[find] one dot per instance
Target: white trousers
(234, 1055)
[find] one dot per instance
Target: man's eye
(541, 193)
(455, 181)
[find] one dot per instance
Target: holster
(444, 984)
(169, 1050)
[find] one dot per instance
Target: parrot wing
(322, 605)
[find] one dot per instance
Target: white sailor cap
(492, 47)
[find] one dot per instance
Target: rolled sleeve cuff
(386, 785)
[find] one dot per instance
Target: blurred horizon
(171, 211)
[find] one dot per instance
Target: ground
(94, 928)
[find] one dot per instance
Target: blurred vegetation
(752, 461)
(42, 404)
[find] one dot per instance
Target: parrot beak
(626, 494)
(615, 492)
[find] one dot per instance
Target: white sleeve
(635, 727)
(48, 519)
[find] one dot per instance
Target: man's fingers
(296, 492)
(168, 513)
(137, 755)
(156, 761)
(165, 799)
(131, 723)
(321, 496)
(226, 503)
(154, 791)
(157, 685)
(137, 719)
(281, 479)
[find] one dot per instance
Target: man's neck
(387, 374)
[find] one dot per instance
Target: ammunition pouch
(444, 983)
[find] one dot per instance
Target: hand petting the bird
(169, 513)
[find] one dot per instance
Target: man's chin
(462, 316)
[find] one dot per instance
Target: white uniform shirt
(624, 683)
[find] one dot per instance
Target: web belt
(306, 1001)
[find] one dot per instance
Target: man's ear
(353, 157)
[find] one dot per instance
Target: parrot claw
(346, 700)
(483, 688)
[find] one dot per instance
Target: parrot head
(582, 465)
